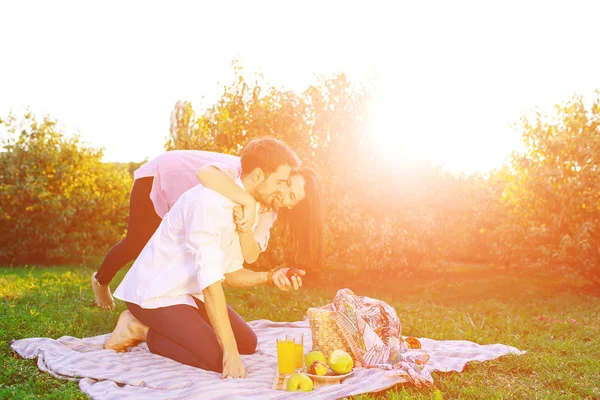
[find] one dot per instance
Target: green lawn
(481, 304)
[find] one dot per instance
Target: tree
(552, 196)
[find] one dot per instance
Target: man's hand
(244, 217)
(233, 366)
(280, 279)
(216, 308)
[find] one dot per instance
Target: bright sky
(452, 75)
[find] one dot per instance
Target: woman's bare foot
(129, 332)
(102, 294)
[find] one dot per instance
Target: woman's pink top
(174, 173)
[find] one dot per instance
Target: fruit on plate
(299, 382)
(292, 272)
(318, 368)
(314, 356)
(340, 362)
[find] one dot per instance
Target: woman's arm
(250, 249)
(223, 183)
(254, 242)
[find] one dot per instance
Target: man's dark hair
(268, 154)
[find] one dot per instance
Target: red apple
(313, 356)
(318, 368)
(293, 272)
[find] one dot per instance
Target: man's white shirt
(194, 247)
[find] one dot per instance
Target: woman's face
(293, 194)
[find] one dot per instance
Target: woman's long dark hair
(303, 224)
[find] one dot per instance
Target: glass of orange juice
(298, 339)
(286, 355)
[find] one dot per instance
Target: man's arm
(243, 278)
(205, 220)
(216, 308)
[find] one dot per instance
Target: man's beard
(266, 199)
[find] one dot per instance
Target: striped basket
(326, 335)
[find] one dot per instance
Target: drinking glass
(286, 355)
(298, 339)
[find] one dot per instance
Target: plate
(330, 378)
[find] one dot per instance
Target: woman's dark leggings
(143, 222)
(184, 334)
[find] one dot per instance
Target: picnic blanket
(139, 374)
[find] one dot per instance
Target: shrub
(59, 202)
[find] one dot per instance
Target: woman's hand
(233, 366)
(238, 213)
(244, 217)
(284, 283)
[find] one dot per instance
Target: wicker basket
(326, 335)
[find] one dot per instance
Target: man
(174, 291)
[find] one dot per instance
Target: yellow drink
(299, 355)
(286, 356)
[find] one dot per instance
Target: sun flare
(399, 136)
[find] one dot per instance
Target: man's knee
(214, 363)
(249, 344)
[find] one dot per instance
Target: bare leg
(142, 223)
(129, 332)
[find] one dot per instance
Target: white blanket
(139, 374)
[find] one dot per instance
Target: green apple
(299, 382)
(340, 362)
(312, 357)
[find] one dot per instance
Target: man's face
(273, 185)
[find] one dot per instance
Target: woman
(161, 181)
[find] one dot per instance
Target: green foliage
(541, 210)
(59, 201)
(552, 193)
(130, 167)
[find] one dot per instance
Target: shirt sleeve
(233, 171)
(204, 225)
(262, 231)
(236, 260)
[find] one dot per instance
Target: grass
(482, 304)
